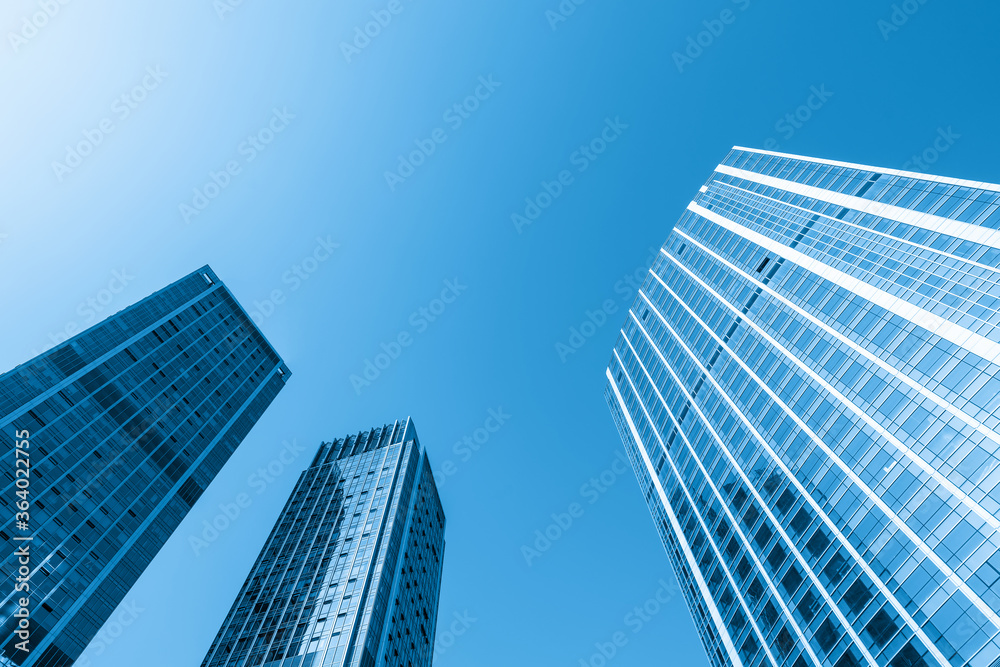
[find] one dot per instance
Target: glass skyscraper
(808, 387)
(350, 574)
(126, 424)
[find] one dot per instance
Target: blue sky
(170, 96)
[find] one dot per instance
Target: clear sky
(299, 132)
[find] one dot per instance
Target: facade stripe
(935, 324)
(851, 474)
(951, 408)
(736, 526)
(650, 470)
(835, 414)
(978, 185)
(794, 480)
(934, 223)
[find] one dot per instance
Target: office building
(350, 574)
(126, 424)
(808, 387)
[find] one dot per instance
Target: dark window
(818, 544)
(750, 648)
(908, 656)
(785, 643)
(808, 605)
(836, 568)
(857, 596)
(763, 536)
(739, 621)
(777, 557)
(755, 593)
(848, 660)
(743, 569)
(786, 501)
(828, 634)
(881, 628)
(769, 615)
(801, 520)
(791, 580)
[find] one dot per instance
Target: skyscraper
(807, 386)
(123, 426)
(350, 574)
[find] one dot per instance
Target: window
(857, 596)
(791, 581)
(881, 628)
(784, 644)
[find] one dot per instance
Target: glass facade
(808, 386)
(127, 423)
(350, 574)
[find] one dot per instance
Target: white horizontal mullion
(848, 471)
(928, 221)
(831, 525)
(708, 479)
(946, 180)
(935, 324)
(889, 238)
(888, 368)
